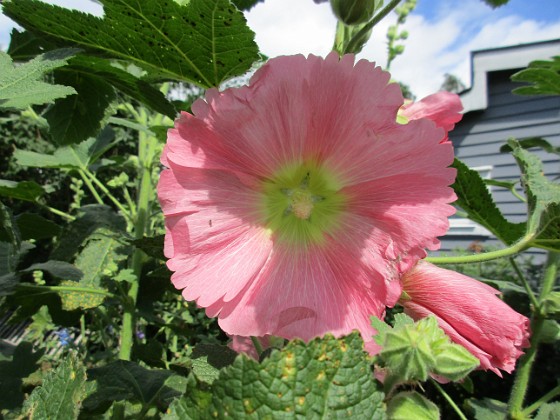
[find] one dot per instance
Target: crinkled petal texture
(469, 312)
(443, 108)
(336, 119)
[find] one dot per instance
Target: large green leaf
(74, 119)
(544, 77)
(124, 81)
(23, 190)
(76, 156)
(92, 218)
(411, 405)
(22, 86)
(246, 4)
(203, 42)
(123, 380)
(208, 359)
(34, 226)
(61, 395)
(23, 363)
(475, 199)
(59, 269)
(99, 258)
(543, 199)
(327, 378)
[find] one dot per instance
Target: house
(492, 114)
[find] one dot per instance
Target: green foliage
(35, 226)
(543, 77)
(203, 42)
(24, 190)
(246, 4)
(122, 380)
(543, 199)
(475, 199)
(208, 359)
(21, 86)
(61, 394)
(412, 350)
(74, 119)
(488, 409)
(531, 142)
(12, 373)
(549, 412)
(91, 218)
(326, 378)
(75, 156)
(495, 3)
(411, 405)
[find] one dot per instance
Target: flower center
(302, 203)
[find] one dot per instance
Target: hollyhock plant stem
(449, 400)
(519, 390)
(485, 256)
(353, 43)
(146, 191)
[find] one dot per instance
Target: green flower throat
(302, 204)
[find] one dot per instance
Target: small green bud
(354, 12)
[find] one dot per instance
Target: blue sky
(442, 33)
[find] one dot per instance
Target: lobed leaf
(544, 77)
(124, 380)
(208, 359)
(23, 190)
(475, 199)
(74, 119)
(61, 394)
(21, 86)
(22, 364)
(326, 378)
(411, 405)
(203, 42)
(543, 199)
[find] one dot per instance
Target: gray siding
(478, 137)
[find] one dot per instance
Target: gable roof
(503, 58)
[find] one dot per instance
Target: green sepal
(551, 305)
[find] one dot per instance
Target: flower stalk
(521, 383)
(146, 155)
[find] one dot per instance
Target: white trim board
(496, 59)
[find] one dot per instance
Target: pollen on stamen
(302, 205)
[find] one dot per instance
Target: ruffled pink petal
(289, 113)
(444, 108)
(212, 241)
(469, 312)
(305, 295)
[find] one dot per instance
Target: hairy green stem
(258, 345)
(554, 392)
(352, 44)
(91, 187)
(126, 213)
(485, 256)
(523, 372)
(56, 211)
(525, 283)
(146, 152)
(449, 400)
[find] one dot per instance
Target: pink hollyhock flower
(292, 204)
(444, 108)
(469, 312)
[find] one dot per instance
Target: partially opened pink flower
(292, 204)
(469, 312)
(444, 108)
